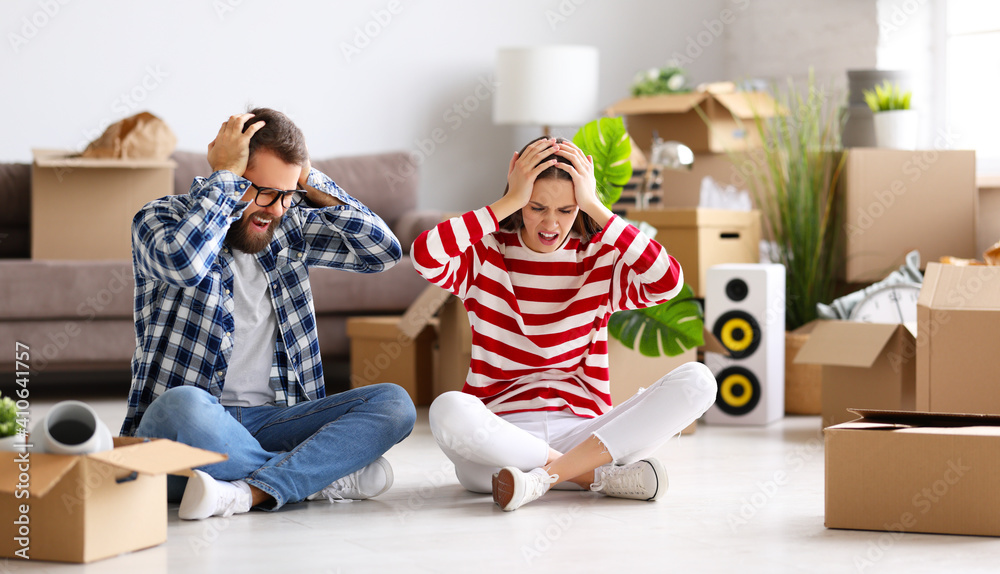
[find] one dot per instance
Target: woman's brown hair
(584, 224)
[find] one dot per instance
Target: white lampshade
(546, 86)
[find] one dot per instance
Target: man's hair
(279, 135)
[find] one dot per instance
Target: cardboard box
(83, 208)
(865, 365)
(700, 238)
(675, 117)
(988, 217)
(958, 318)
(914, 472)
(631, 370)
(85, 508)
(803, 383)
(454, 336)
(382, 353)
(897, 200)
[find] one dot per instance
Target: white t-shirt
(247, 381)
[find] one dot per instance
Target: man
(227, 357)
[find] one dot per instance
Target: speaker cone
(739, 333)
(739, 391)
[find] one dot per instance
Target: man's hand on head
(314, 196)
(230, 150)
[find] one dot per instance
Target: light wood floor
(725, 512)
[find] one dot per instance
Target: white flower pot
(12, 443)
(896, 129)
(71, 427)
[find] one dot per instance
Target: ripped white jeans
(480, 442)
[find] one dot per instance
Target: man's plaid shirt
(184, 284)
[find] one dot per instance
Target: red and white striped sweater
(539, 320)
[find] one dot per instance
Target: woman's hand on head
(581, 169)
(521, 174)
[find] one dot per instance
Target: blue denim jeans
(288, 452)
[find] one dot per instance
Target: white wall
(82, 65)
(777, 39)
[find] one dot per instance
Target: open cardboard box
(958, 318)
(85, 508)
(914, 472)
(676, 117)
(869, 364)
(82, 208)
(381, 352)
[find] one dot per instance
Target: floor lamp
(546, 86)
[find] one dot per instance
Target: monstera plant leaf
(666, 329)
(606, 140)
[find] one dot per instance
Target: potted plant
(655, 81)
(643, 341)
(895, 123)
(11, 431)
(795, 187)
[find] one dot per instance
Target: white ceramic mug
(71, 427)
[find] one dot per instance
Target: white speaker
(745, 310)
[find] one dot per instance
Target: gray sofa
(77, 315)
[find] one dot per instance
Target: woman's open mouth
(548, 239)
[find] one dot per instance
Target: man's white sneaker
(204, 496)
(513, 489)
(643, 480)
(368, 482)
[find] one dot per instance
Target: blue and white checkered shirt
(184, 283)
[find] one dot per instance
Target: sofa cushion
(190, 164)
(385, 182)
(66, 289)
(342, 292)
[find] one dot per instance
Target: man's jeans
(288, 452)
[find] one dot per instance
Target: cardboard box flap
(158, 456)
(744, 105)
(924, 419)
(712, 343)
(45, 471)
(418, 315)
(846, 343)
(662, 104)
(62, 158)
(959, 287)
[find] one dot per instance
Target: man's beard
(241, 237)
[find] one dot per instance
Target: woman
(540, 271)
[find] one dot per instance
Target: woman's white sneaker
(205, 496)
(513, 489)
(642, 480)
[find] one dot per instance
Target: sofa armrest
(413, 223)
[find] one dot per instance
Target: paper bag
(142, 136)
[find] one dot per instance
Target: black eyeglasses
(268, 196)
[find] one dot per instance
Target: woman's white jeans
(480, 442)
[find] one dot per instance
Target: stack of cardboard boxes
(929, 464)
(885, 471)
